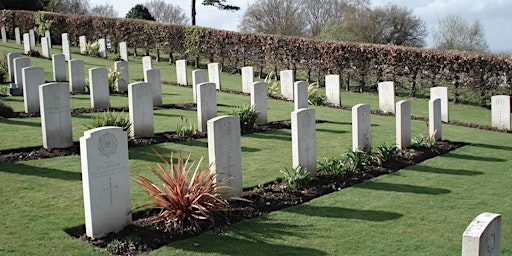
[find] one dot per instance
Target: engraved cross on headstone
(110, 188)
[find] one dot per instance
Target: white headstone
(483, 236)
(124, 76)
(76, 76)
(181, 72)
(387, 97)
(403, 124)
(26, 43)
(55, 115)
(59, 67)
(19, 64)
(123, 51)
(361, 128)
(45, 46)
(287, 84)
(99, 88)
(434, 119)
(304, 139)
(17, 35)
(152, 77)
(33, 77)
(66, 48)
(48, 36)
(10, 64)
(214, 75)
(140, 104)
(105, 180)
(206, 104)
(333, 89)
(4, 35)
(102, 43)
(32, 38)
(82, 44)
(225, 152)
(247, 79)
(300, 95)
(147, 63)
(199, 76)
(441, 92)
(500, 108)
(259, 101)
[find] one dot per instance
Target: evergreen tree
(139, 11)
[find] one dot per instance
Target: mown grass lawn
(421, 210)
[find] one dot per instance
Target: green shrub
(332, 166)
(92, 49)
(109, 118)
(297, 177)
(33, 53)
(4, 70)
(425, 141)
(314, 98)
(247, 116)
(273, 87)
(185, 128)
(385, 153)
(356, 160)
(6, 110)
(114, 76)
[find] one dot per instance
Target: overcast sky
(494, 15)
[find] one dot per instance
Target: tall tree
(317, 14)
(31, 5)
(74, 7)
(105, 10)
(165, 12)
(455, 33)
(139, 11)
(220, 4)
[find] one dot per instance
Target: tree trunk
(157, 55)
(193, 7)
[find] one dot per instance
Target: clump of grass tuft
(248, 116)
(296, 177)
(110, 118)
(185, 128)
(385, 153)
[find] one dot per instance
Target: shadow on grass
(204, 144)
(427, 169)
(168, 115)
(344, 213)
(481, 145)
(23, 169)
(330, 131)
(18, 121)
(403, 188)
(277, 135)
(475, 158)
(332, 122)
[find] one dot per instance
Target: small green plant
(6, 110)
(92, 49)
(185, 128)
(114, 76)
(273, 87)
(314, 98)
(33, 53)
(116, 57)
(296, 177)
(425, 141)
(248, 116)
(385, 153)
(110, 118)
(4, 70)
(332, 166)
(356, 160)
(258, 189)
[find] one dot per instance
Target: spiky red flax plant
(183, 199)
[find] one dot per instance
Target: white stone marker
(361, 128)
(102, 43)
(147, 63)
(206, 104)
(32, 38)
(19, 64)
(225, 152)
(33, 77)
(123, 51)
(82, 44)
(59, 67)
(10, 63)
(300, 95)
(55, 110)
(387, 97)
(124, 77)
(152, 77)
(76, 76)
(140, 104)
(247, 79)
(45, 46)
(304, 139)
(403, 124)
(181, 72)
(99, 89)
(333, 89)
(214, 75)
(441, 92)
(199, 76)
(66, 48)
(4, 35)
(500, 108)
(26, 43)
(434, 119)
(483, 236)
(105, 180)
(287, 84)
(17, 35)
(48, 36)
(259, 101)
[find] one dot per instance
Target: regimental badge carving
(107, 144)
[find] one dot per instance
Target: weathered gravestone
(105, 180)
(500, 108)
(206, 104)
(304, 139)
(45, 47)
(76, 76)
(19, 64)
(434, 119)
(147, 63)
(140, 104)
(361, 128)
(26, 43)
(55, 110)
(123, 51)
(4, 34)
(259, 101)
(33, 77)
(483, 236)
(300, 95)
(124, 76)
(333, 89)
(181, 72)
(214, 74)
(10, 63)
(59, 67)
(99, 88)
(102, 43)
(387, 97)
(48, 36)
(441, 92)
(152, 77)
(199, 76)
(66, 48)
(403, 124)
(82, 43)
(32, 38)
(247, 79)
(287, 81)
(17, 35)
(225, 152)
